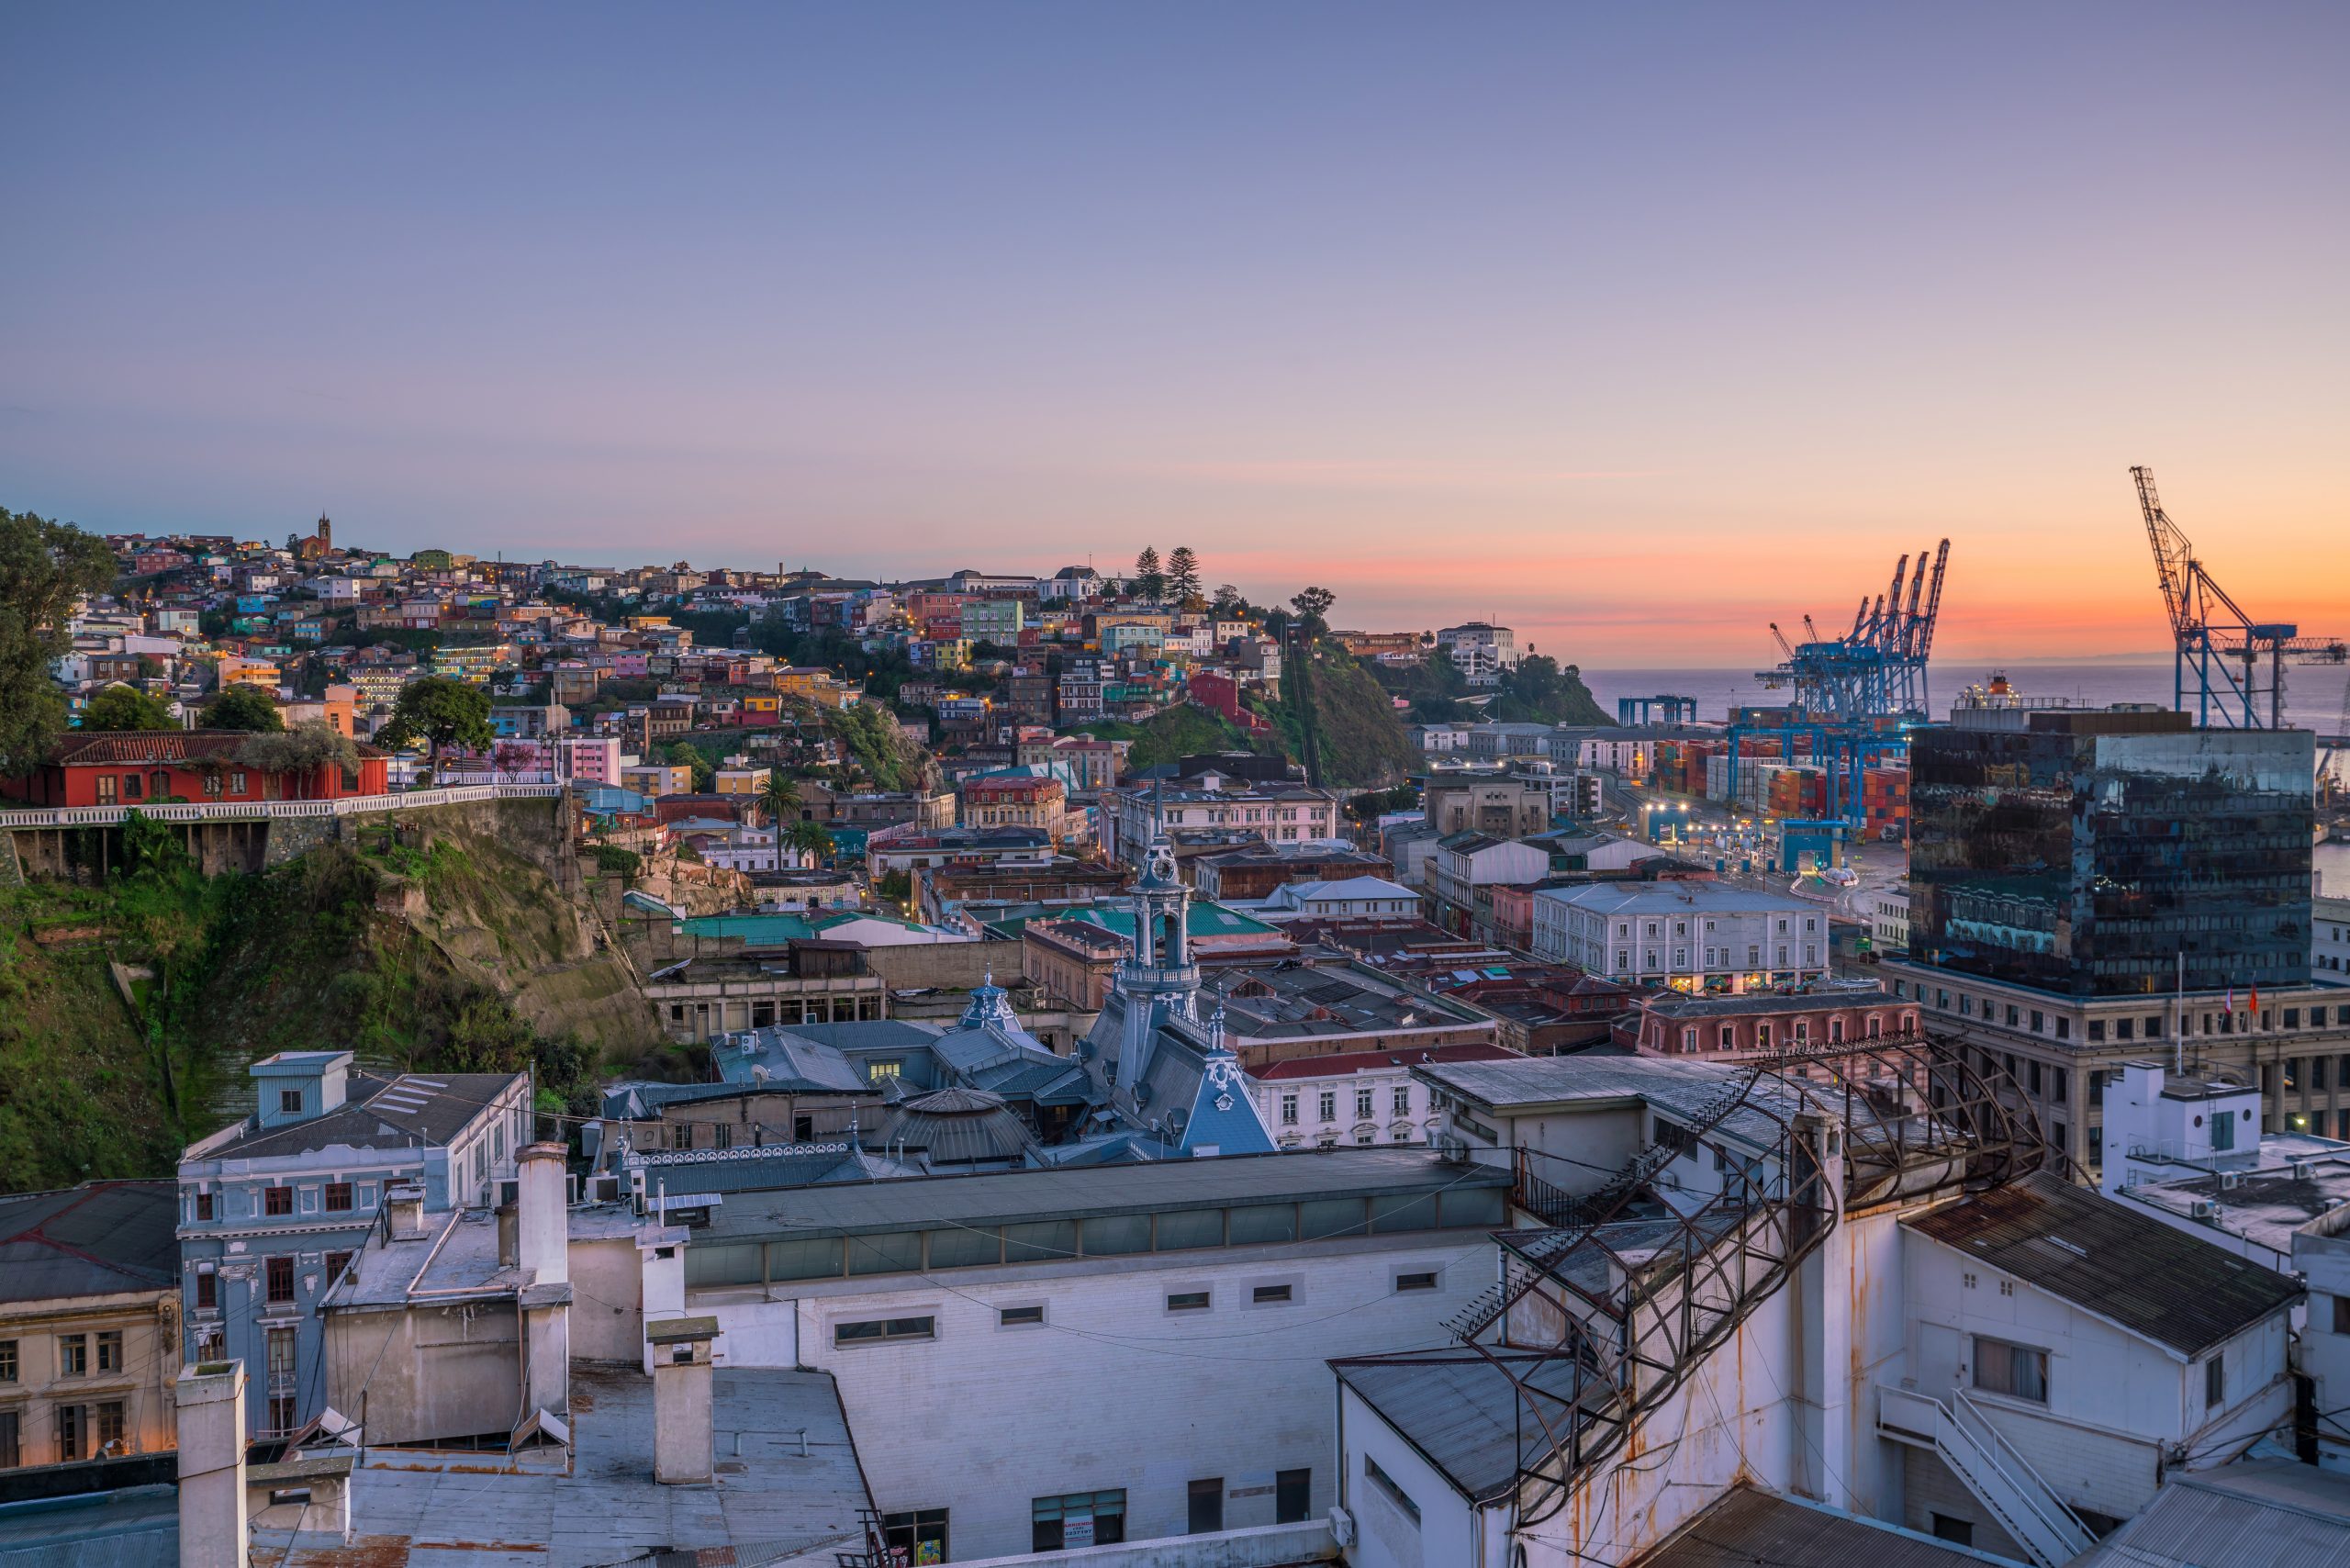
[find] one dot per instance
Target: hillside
(129, 1011)
(1172, 733)
(1329, 700)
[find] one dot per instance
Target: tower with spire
(1158, 979)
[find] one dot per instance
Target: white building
(2330, 941)
(990, 1334)
(1356, 1097)
(1479, 651)
(1693, 936)
(1373, 896)
(1889, 918)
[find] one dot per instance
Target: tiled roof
(1339, 1063)
(409, 1111)
(100, 748)
(2121, 1265)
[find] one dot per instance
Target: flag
(2232, 999)
(2255, 999)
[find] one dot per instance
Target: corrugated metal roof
(1745, 1527)
(1458, 1411)
(2274, 1514)
(2127, 1267)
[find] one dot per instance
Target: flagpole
(2178, 1023)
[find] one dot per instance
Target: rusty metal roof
(1744, 1526)
(2126, 1267)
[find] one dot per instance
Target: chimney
(542, 1250)
(681, 1399)
(211, 1399)
(404, 1210)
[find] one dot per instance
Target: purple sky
(1637, 327)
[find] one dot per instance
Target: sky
(1637, 327)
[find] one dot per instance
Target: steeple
(1158, 979)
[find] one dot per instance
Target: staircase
(1992, 1469)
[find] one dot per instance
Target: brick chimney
(681, 1399)
(211, 1399)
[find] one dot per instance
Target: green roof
(768, 930)
(1202, 920)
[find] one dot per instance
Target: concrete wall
(1269, 1546)
(1114, 1390)
(1386, 1535)
(407, 1376)
(607, 1301)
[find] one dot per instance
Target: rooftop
(2270, 1514)
(1270, 1001)
(1746, 1526)
(1340, 1063)
(2264, 1206)
(1458, 1411)
(409, 1111)
(1641, 898)
(2109, 1259)
(100, 1238)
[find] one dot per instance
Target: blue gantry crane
(1854, 696)
(2237, 664)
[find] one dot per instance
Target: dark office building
(2082, 851)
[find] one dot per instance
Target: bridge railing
(262, 810)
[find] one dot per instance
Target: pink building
(1727, 1028)
(592, 760)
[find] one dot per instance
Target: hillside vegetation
(1172, 732)
(129, 1010)
(1329, 702)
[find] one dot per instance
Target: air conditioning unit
(1342, 1526)
(2203, 1208)
(2303, 1169)
(2231, 1179)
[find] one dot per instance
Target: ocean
(2313, 697)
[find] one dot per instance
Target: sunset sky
(1636, 327)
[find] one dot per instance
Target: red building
(128, 767)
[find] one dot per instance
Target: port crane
(2237, 664)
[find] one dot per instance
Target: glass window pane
(736, 1264)
(815, 1259)
(1041, 1241)
(1264, 1222)
(1396, 1212)
(1184, 1228)
(964, 1248)
(1118, 1233)
(897, 1253)
(1473, 1205)
(1325, 1218)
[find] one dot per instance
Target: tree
(1150, 581)
(121, 707)
(439, 711)
(45, 568)
(684, 753)
(299, 752)
(1183, 574)
(1229, 605)
(809, 838)
(779, 796)
(243, 707)
(1312, 604)
(509, 757)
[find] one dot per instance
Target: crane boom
(1933, 604)
(2173, 556)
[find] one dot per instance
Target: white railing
(1999, 1477)
(256, 810)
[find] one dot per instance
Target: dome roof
(956, 1126)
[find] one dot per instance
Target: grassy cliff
(1330, 703)
(129, 1009)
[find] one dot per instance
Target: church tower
(1158, 979)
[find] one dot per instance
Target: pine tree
(1183, 574)
(1150, 580)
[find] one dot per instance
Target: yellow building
(89, 1322)
(813, 684)
(258, 674)
(658, 778)
(743, 780)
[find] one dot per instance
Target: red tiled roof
(108, 748)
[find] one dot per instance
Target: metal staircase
(2000, 1478)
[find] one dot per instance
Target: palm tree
(808, 838)
(779, 796)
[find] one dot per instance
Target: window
(133, 786)
(338, 1198)
(1268, 1296)
(1403, 1103)
(204, 1206)
(1206, 1506)
(8, 1351)
(2341, 1324)
(2016, 1371)
(281, 1413)
(277, 1200)
(289, 1102)
(335, 1264)
(1385, 1484)
(919, 1536)
(1363, 1112)
(1425, 1280)
(110, 1350)
(236, 783)
(1187, 1301)
(281, 1279)
(1288, 1110)
(109, 1425)
(2215, 1381)
(72, 1433)
(1292, 1497)
(106, 788)
(1019, 1317)
(1078, 1519)
(73, 1355)
(881, 1331)
(12, 1452)
(1330, 1104)
(1956, 1531)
